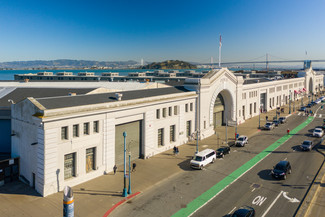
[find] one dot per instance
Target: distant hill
(66, 63)
(170, 64)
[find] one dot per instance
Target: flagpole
(220, 52)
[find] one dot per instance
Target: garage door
(133, 141)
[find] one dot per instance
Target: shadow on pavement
(185, 165)
(296, 148)
(96, 192)
(265, 174)
(18, 187)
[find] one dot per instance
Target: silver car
(269, 126)
(241, 141)
(306, 145)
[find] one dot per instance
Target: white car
(242, 141)
(203, 158)
(318, 132)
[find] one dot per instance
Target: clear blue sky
(159, 30)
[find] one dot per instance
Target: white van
(203, 158)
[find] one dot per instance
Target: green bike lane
(204, 198)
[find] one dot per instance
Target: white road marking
(292, 200)
(259, 200)
(285, 158)
(268, 209)
(320, 115)
(253, 189)
(232, 210)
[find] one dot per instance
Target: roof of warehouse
(19, 94)
(71, 101)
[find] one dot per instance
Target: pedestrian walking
(288, 131)
(115, 169)
(174, 150)
(267, 118)
(177, 151)
(134, 165)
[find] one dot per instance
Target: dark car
(313, 103)
(281, 170)
(282, 120)
(303, 108)
(244, 211)
(309, 105)
(221, 152)
(276, 123)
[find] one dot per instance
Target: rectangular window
(175, 110)
(160, 137)
(86, 128)
(205, 124)
(254, 107)
(64, 133)
(76, 130)
(96, 126)
(69, 165)
(164, 112)
(90, 159)
(186, 107)
(250, 108)
(170, 112)
(172, 133)
(188, 128)
(158, 113)
(191, 107)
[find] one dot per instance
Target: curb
(120, 203)
(310, 194)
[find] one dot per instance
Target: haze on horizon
(156, 31)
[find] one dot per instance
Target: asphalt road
(255, 188)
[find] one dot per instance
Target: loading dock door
(133, 141)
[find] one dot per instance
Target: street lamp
(289, 101)
(129, 191)
(259, 117)
(124, 194)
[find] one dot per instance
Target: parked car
(203, 158)
(306, 145)
(242, 141)
(302, 108)
(222, 151)
(318, 132)
(317, 101)
(276, 123)
(281, 170)
(282, 120)
(269, 126)
(244, 211)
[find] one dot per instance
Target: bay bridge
(267, 61)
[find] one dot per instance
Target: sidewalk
(96, 197)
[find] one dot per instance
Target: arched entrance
(218, 111)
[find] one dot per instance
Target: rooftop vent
(118, 96)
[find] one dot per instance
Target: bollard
(68, 202)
